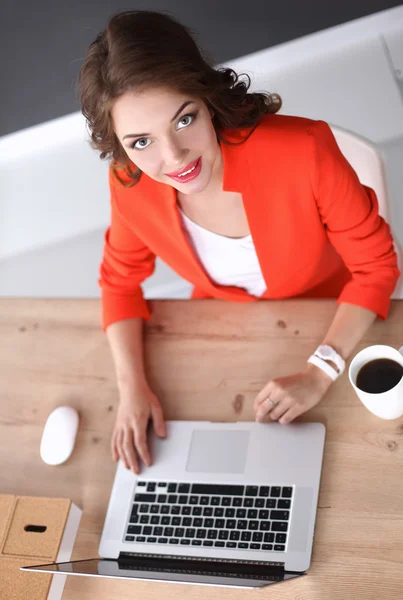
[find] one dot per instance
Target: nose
(174, 155)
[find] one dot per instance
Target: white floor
(69, 269)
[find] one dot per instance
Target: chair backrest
(366, 161)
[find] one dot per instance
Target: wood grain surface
(206, 360)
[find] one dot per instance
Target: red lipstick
(191, 171)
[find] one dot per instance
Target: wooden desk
(206, 360)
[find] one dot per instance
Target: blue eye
(188, 118)
(138, 145)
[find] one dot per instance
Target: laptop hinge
(198, 565)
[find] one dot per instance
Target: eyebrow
(132, 135)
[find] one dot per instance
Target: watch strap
(322, 364)
(327, 353)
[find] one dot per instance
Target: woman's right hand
(129, 438)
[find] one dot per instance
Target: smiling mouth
(187, 172)
(188, 169)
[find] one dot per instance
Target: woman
(243, 203)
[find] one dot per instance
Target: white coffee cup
(387, 405)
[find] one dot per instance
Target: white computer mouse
(59, 435)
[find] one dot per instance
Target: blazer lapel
(263, 185)
(189, 262)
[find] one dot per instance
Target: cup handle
(401, 350)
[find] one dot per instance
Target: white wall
(54, 205)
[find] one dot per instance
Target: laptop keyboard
(244, 517)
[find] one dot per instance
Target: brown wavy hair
(143, 48)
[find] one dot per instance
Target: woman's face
(167, 134)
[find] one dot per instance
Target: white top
(228, 261)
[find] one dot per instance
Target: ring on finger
(274, 404)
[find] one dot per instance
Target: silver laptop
(231, 504)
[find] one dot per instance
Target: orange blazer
(316, 229)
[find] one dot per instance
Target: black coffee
(379, 375)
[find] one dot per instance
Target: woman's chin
(190, 190)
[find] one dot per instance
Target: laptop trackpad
(215, 451)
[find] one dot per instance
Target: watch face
(325, 352)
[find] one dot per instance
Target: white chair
(367, 162)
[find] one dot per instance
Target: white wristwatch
(323, 354)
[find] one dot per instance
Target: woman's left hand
(291, 395)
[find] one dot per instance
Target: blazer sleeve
(349, 212)
(126, 262)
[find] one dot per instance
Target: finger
(263, 394)
(158, 420)
(119, 447)
(114, 451)
(140, 439)
(282, 407)
(292, 413)
(266, 407)
(129, 450)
